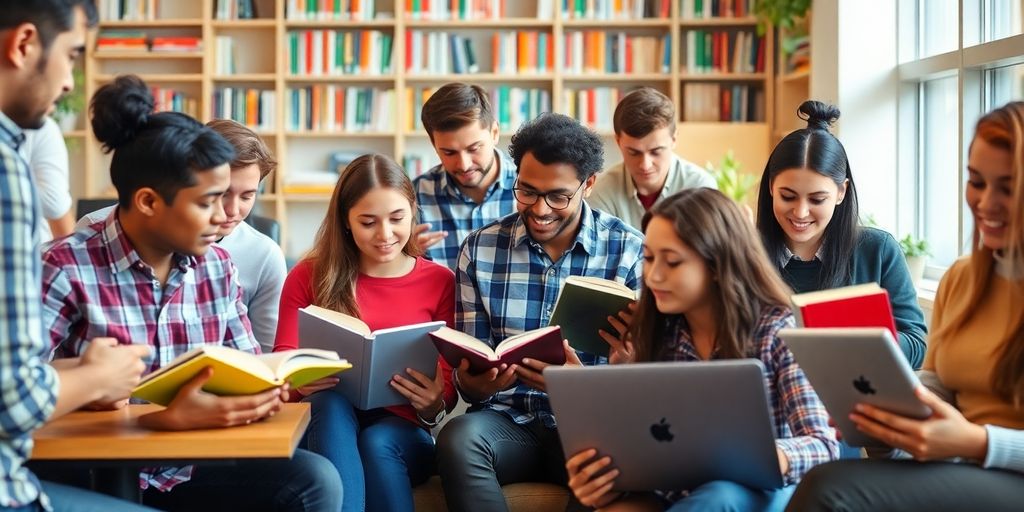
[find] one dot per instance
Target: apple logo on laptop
(660, 431)
(863, 385)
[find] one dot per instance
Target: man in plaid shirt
(472, 186)
(509, 275)
(148, 273)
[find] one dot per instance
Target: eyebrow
(535, 189)
(638, 150)
(372, 216)
(467, 147)
(815, 193)
(1001, 179)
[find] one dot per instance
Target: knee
(330, 408)
(719, 495)
(461, 437)
(819, 488)
(323, 483)
(375, 443)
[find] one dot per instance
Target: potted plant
(733, 183)
(70, 105)
(779, 13)
(917, 252)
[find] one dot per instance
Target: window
(958, 60)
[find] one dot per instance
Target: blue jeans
(379, 456)
(723, 496)
(65, 498)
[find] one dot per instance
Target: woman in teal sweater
(808, 218)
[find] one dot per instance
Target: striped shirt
(95, 284)
(443, 205)
(507, 284)
(801, 423)
(28, 386)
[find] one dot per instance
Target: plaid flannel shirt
(28, 386)
(95, 284)
(507, 284)
(443, 205)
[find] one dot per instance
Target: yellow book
(239, 373)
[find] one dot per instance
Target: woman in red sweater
(365, 263)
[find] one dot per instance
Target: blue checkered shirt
(443, 205)
(801, 422)
(28, 385)
(507, 285)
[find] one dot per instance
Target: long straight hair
(335, 257)
(1002, 128)
(816, 149)
(743, 282)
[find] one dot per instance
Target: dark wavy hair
(816, 149)
(556, 138)
(162, 151)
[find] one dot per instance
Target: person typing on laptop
(710, 293)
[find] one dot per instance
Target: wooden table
(112, 443)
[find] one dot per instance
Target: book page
(522, 339)
(803, 299)
(341, 319)
(284, 363)
(600, 284)
(466, 341)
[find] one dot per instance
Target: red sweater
(424, 295)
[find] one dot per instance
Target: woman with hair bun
(808, 218)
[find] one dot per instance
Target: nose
(218, 216)
(987, 200)
(653, 273)
(646, 162)
(802, 209)
(541, 208)
(465, 162)
(230, 208)
(385, 231)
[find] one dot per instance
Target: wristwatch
(437, 419)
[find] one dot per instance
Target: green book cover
(583, 307)
(385, 61)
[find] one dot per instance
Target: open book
(544, 344)
(862, 305)
(238, 373)
(583, 307)
(376, 356)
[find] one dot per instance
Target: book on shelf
(171, 100)
(862, 305)
(439, 10)
(712, 102)
(128, 10)
(309, 182)
(333, 108)
(174, 44)
(376, 355)
(431, 52)
(122, 41)
(544, 344)
(254, 108)
(722, 51)
(337, 52)
(707, 9)
(235, 9)
(524, 51)
(593, 107)
(237, 373)
(416, 164)
(225, 62)
(615, 9)
(583, 306)
(599, 51)
(332, 10)
(512, 105)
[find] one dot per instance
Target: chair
(266, 225)
(86, 206)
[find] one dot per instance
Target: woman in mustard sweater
(970, 452)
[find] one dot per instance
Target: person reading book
(366, 263)
(545, 344)
(969, 455)
(808, 217)
(508, 278)
(472, 186)
(711, 293)
(152, 275)
(40, 42)
(586, 309)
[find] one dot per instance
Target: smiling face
(381, 225)
(804, 202)
(647, 159)
(467, 154)
(678, 277)
(547, 225)
(989, 192)
(240, 197)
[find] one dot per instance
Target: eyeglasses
(555, 200)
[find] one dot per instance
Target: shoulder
(428, 181)
(490, 231)
(874, 239)
(611, 226)
(246, 241)
(957, 273)
(692, 175)
(773, 319)
(433, 272)
(65, 251)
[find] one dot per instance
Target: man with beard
(509, 275)
(472, 186)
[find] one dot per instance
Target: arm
(49, 162)
(295, 294)
(266, 298)
(63, 225)
(910, 324)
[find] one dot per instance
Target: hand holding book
(531, 372)
(621, 346)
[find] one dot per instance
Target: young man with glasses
(472, 186)
(509, 275)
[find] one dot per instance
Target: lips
(800, 225)
(541, 224)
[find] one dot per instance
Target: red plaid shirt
(95, 284)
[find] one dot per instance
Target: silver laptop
(851, 365)
(670, 426)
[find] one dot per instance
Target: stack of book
(597, 51)
(615, 9)
(334, 108)
(724, 52)
(122, 41)
(252, 107)
(168, 99)
(313, 10)
(309, 182)
(593, 107)
(177, 44)
(723, 102)
(334, 53)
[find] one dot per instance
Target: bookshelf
(793, 77)
(649, 50)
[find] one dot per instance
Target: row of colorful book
(723, 103)
(128, 10)
(254, 108)
(597, 51)
(139, 41)
(454, 9)
(512, 52)
(703, 9)
(332, 108)
(167, 99)
(593, 107)
(416, 164)
(236, 10)
(323, 10)
(335, 52)
(723, 51)
(615, 9)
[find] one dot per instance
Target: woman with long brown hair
(710, 292)
(366, 263)
(973, 372)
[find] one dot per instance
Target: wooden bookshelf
(261, 53)
(792, 86)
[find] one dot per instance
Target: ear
(494, 132)
(842, 192)
(19, 43)
(147, 202)
(589, 185)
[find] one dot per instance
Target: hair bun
(120, 110)
(819, 116)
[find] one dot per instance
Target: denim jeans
(723, 496)
(65, 498)
(379, 456)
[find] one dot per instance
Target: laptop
(847, 366)
(670, 426)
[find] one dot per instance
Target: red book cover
(544, 344)
(863, 305)
(408, 50)
(309, 52)
(760, 55)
